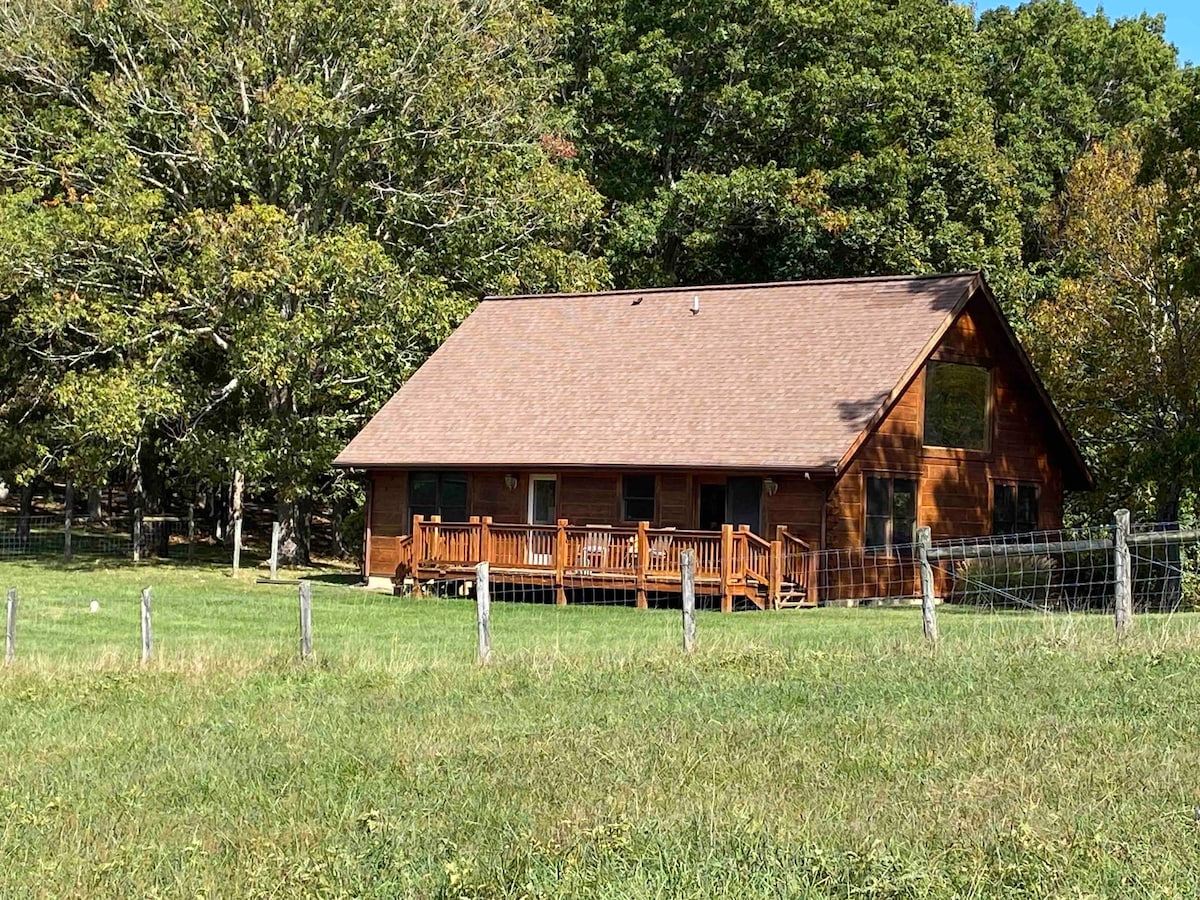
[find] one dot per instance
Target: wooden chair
(594, 552)
(660, 548)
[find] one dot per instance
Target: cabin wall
(955, 486)
(594, 497)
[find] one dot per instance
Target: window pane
(879, 511)
(638, 486)
(879, 500)
(639, 510)
(1004, 509)
(904, 511)
(876, 536)
(454, 492)
(1027, 508)
(422, 489)
(956, 406)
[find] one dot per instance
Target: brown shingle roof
(775, 376)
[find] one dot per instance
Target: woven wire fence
(43, 536)
(1068, 570)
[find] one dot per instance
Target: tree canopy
(229, 229)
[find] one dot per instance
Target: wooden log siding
(731, 564)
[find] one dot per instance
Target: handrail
(737, 560)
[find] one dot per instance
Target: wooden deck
(730, 564)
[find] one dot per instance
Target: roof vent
(695, 304)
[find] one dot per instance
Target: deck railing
(731, 563)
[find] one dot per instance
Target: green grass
(822, 753)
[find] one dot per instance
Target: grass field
(823, 753)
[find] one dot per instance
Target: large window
(438, 494)
(637, 498)
(956, 406)
(891, 513)
(1014, 508)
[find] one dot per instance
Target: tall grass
(824, 753)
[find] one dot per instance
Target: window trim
(989, 421)
(622, 498)
(995, 481)
(890, 476)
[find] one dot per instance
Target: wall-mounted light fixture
(770, 485)
(510, 482)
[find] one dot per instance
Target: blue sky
(1183, 18)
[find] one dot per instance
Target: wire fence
(47, 536)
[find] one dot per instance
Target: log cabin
(587, 439)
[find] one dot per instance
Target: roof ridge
(679, 289)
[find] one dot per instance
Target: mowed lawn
(824, 753)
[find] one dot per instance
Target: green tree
(1120, 340)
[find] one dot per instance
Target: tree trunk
(337, 520)
(235, 507)
(94, 512)
(294, 531)
(24, 515)
(137, 501)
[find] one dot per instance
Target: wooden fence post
(10, 630)
(191, 547)
(483, 605)
(68, 515)
(726, 568)
(560, 563)
(305, 620)
(274, 549)
(687, 588)
(1123, 574)
(928, 613)
(137, 535)
(147, 628)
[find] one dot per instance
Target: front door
(543, 490)
(744, 506)
(543, 497)
(712, 506)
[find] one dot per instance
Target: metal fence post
(928, 613)
(1123, 573)
(687, 576)
(483, 605)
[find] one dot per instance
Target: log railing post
(726, 568)
(485, 539)
(473, 540)
(434, 546)
(1123, 574)
(928, 613)
(641, 562)
(776, 573)
(560, 563)
(418, 552)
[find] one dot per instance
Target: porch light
(770, 485)
(510, 482)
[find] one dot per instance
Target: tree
(1119, 343)
(266, 212)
